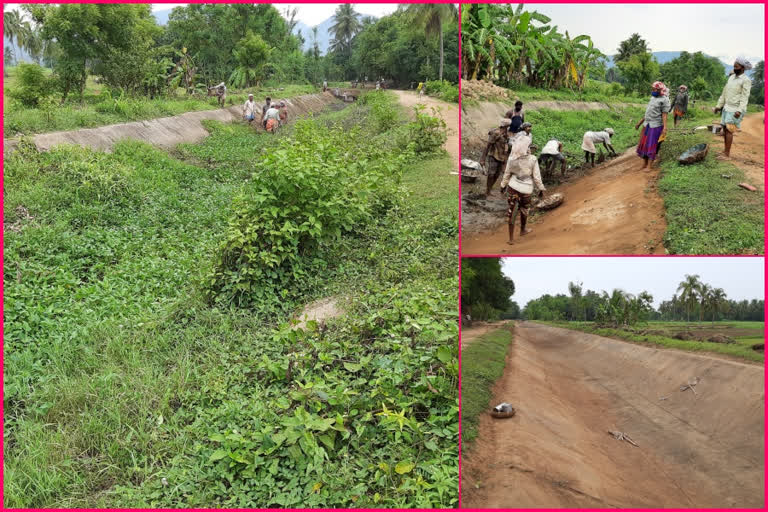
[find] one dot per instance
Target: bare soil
(702, 449)
(613, 209)
(748, 149)
(319, 311)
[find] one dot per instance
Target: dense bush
(32, 85)
(444, 90)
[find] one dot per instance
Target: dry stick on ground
(691, 385)
(621, 436)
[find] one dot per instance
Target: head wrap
(505, 122)
(609, 131)
(526, 125)
(743, 62)
(659, 86)
(683, 87)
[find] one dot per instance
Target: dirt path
(470, 334)
(448, 111)
(748, 150)
(614, 209)
(166, 132)
(571, 388)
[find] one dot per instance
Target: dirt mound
(694, 450)
(684, 335)
(318, 311)
(165, 132)
(719, 338)
(480, 90)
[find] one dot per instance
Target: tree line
(511, 46)
(239, 44)
(693, 301)
(485, 291)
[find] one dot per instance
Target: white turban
(609, 131)
(743, 63)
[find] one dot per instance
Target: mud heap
(482, 90)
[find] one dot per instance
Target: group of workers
(510, 146)
(273, 115)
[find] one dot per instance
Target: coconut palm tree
(346, 24)
(431, 18)
(704, 292)
(632, 46)
(16, 27)
(689, 292)
(715, 301)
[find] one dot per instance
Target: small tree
(32, 85)
(252, 56)
(640, 71)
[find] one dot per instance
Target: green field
(99, 108)
(706, 213)
(127, 386)
(745, 335)
(482, 364)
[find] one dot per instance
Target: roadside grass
(482, 364)
(120, 376)
(741, 349)
(99, 108)
(706, 213)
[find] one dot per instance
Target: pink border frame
(460, 254)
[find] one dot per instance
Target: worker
(498, 151)
(733, 102)
(220, 91)
(680, 105)
(551, 153)
(588, 144)
(517, 116)
(283, 109)
(521, 177)
(654, 123)
(249, 109)
(272, 119)
(519, 143)
(264, 108)
(325, 85)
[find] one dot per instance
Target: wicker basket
(501, 415)
(551, 201)
(696, 154)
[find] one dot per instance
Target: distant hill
(323, 35)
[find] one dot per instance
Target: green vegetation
(706, 213)
(102, 105)
(694, 299)
(510, 45)
(145, 70)
(482, 363)
(485, 290)
(660, 334)
(443, 90)
(126, 387)
(569, 126)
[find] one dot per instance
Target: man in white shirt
(551, 153)
(249, 109)
(733, 101)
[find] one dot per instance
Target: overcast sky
(310, 14)
(314, 14)
(721, 30)
(740, 277)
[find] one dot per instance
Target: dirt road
(571, 388)
(448, 111)
(748, 150)
(613, 209)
